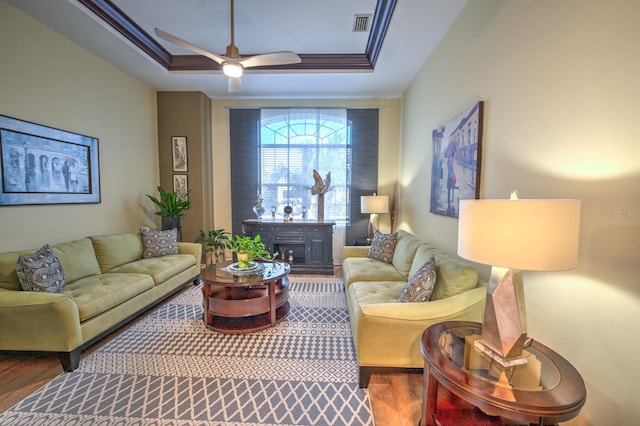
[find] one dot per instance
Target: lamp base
(503, 362)
(373, 226)
(504, 327)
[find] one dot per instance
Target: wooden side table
(558, 396)
(362, 241)
(245, 303)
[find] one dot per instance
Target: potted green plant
(214, 242)
(171, 206)
(248, 249)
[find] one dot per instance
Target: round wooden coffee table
(548, 390)
(240, 302)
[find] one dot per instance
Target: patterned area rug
(169, 369)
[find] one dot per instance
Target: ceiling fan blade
(234, 84)
(273, 58)
(188, 45)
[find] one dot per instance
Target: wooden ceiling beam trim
(379, 25)
(118, 20)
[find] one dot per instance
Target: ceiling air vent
(361, 23)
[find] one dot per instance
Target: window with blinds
(294, 143)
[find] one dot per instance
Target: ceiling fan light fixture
(231, 69)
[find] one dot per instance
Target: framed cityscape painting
(44, 165)
(455, 171)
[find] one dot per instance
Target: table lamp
(512, 236)
(374, 204)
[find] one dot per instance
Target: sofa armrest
(354, 251)
(194, 249)
(388, 334)
(32, 321)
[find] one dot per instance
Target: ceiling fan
(232, 63)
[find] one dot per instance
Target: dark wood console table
(554, 393)
(306, 246)
(240, 304)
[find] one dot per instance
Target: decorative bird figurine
(320, 186)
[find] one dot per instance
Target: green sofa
(108, 283)
(387, 332)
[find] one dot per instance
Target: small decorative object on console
(287, 213)
(258, 209)
(320, 188)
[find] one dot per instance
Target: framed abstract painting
(455, 171)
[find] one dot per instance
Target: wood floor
(395, 398)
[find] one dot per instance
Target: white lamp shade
(535, 235)
(374, 204)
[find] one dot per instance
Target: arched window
(275, 150)
(294, 143)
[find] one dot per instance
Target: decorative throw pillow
(159, 243)
(41, 271)
(421, 284)
(383, 246)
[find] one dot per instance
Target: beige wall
(47, 79)
(389, 136)
(560, 85)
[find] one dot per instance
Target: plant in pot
(214, 242)
(248, 249)
(171, 206)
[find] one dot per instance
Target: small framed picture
(180, 185)
(179, 153)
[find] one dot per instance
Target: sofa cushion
(8, 276)
(424, 253)
(375, 292)
(159, 268)
(117, 249)
(365, 269)
(41, 271)
(78, 259)
(406, 248)
(99, 293)
(159, 243)
(420, 286)
(383, 246)
(454, 277)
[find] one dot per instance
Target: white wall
(560, 83)
(47, 79)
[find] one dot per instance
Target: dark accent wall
(364, 174)
(243, 137)
(188, 114)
